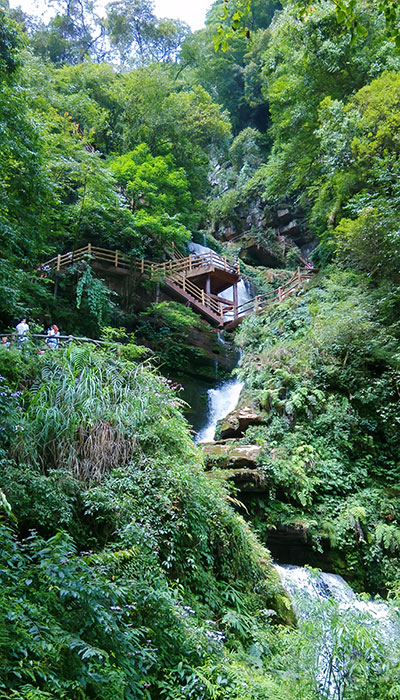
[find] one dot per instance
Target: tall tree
(139, 36)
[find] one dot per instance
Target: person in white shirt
(53, 335)
(22, 329)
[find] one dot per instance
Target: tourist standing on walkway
(53, 335)
(22, 329)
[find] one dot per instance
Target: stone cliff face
(263, 233)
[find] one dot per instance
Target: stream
(337, 617)
(323, 602)
(222, 398)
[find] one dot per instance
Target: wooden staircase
(197, 280)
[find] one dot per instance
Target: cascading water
(221, 401)
(327, 603)
(198, 249)
(223, 398)
(304, 584)
(243, 294)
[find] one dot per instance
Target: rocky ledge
(228, 455)
(236, 423)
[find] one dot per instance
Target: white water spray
(221, 401)
(198, 249)
(316, 597)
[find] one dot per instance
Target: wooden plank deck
(186, 278)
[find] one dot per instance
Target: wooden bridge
(197, 280)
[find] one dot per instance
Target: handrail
(260, 302)
(178, 270)
(21, 339)
(199, 294)
(192, 262)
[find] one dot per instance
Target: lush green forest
(128, 570)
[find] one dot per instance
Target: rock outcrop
(227, 454)
(236, 423)
(240, 464)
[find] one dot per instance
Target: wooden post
(184, 284)
(89, 249)
(221, 311)
(151, 269)
(203, 300)
(235, 301)
(280, 294)
(256, 304)
(58, 262)
(116, 258)
(142, 265)
(190, 262)
(299, 275)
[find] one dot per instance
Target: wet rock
(227, 455)
(247, 481)
(292, 229)
(284, 216)
(255, 252)
(236, 423)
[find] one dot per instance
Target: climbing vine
(93, 293)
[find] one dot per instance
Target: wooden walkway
(197, 280)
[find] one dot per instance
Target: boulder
(284, 216)
(236, 423)
(227, 455)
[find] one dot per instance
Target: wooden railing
(217, 307)
(262, 301)
(115, 257)
(119, 260)
(177, 270)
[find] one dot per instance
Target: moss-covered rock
(236, 423)
(227, 454)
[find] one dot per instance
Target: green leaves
(158, 195)
(234, 22)
(94, 293)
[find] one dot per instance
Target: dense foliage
(126, 571)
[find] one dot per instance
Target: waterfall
(224, 397)
(244, 294)
(304, 585)
(198, 249)
(221, 401)
(328, 606)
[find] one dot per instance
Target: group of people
(22, 328)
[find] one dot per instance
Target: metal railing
(24, 340)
